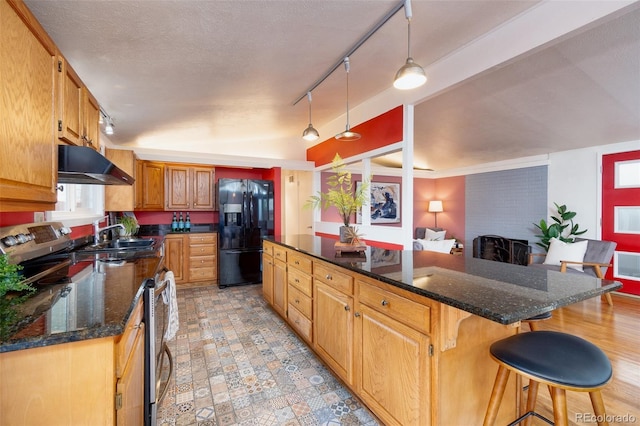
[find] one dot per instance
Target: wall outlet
(38, 216)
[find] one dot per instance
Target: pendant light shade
(410, 75)
(310, 134)
(347, 135)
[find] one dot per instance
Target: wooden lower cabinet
(399, 392)
(410, 359)
(76, 383)
(192, 257)
(174, 256)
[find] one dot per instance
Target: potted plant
(562, 228)
(130, 226)
(342, 195)
(13, 291)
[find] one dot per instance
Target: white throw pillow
(559, 251)
(434, 235)
(441, 246)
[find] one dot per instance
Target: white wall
(575, 180)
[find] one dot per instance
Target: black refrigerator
(246, 215)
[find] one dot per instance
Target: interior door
(621, 216)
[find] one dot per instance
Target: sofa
(432, 239)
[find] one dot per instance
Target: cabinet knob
(384, 302)
(297, 280)
(357, 315)
(347, 308)
(297, 301)
(329, 277)
(297, 263)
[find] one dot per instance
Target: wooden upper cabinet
(121, 197)
(91, 121)
(190, 187)
(28, 70)
(151, 182)
(70, 104)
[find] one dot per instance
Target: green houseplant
(342, 195)
(562, 228)
(13, 291)
(130, 225)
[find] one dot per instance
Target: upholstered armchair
(596, 259)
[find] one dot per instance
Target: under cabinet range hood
(84, 165)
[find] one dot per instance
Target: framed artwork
(384, 202)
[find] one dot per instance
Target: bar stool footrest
(528, 414)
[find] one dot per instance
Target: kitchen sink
(121, 244)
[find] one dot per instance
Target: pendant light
(347, 135)
(410, 75)
(310, 134)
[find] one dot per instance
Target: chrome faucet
(97, 230)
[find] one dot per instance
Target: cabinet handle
(357, 314)
(384, 302)
(329, 277)
(347, 308)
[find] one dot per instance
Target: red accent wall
(383, 130)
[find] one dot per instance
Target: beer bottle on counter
(174, 223)
(187, 225)
(181, 224)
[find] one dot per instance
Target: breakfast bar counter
(409, 331)
(500, 292)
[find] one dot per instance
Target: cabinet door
(70, 124)
(91, 120)
(178, 188)
(203, 188)
(130, 387)
(280, 287)
(174, 258)
(333, 329)
(121, 197)
(28, 69)
(138, 185)
(152, 186)
(394, 374)
(267, 278)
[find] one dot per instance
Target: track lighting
(347, 135)
(310, 134)
(107, 121)
(410, 75)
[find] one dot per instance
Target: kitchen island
(409, 331)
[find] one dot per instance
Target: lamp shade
(435, 206)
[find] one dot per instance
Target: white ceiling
(507, 79)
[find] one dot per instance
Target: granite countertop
(104, 290)
(501, 292)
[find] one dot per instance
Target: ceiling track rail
(355, 47)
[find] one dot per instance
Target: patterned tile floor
(238, 363)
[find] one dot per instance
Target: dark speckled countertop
(96, 303)
(497, 291)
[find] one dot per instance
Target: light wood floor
(616, 330)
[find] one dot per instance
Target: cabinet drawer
(299, 261)
(202, 239)
(300, 280)
(300, 323)
(202, 261)
(332, 277)
(127, 339)
(300, 301)
(267, 248)
(198, 250)
(202, 274)
(280, 253)
(397, 307)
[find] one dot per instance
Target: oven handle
(162, 392)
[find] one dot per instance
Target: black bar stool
(559, 360)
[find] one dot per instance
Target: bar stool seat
(559, 360)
